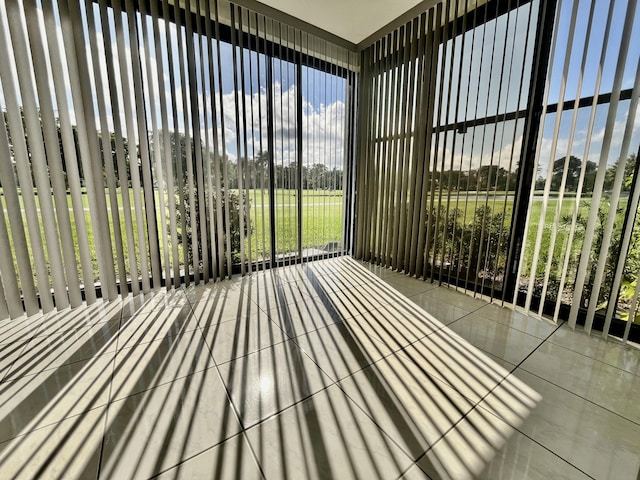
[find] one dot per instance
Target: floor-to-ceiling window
(143, 144)
(448, 96)
(498, 154)
(580, 256)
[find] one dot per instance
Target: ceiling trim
(295, 22)
(407, 16)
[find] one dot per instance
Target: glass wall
(142, 144)
(579, 255)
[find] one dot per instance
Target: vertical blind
(450, 112)
(583, 257)
(444, 102)
(142, 145)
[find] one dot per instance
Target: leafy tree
(574, 167)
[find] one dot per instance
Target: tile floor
(335, 369)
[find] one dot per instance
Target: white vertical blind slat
(10, 302)
(18, 137)
(598, 185)
(69, 149)
(106, 148)
(192, 134)
(37, 152)
(143, 135)
(54, 162)
(75, 46)
(14, 214)
(149, 38)
(628, 229)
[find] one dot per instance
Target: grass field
(322, 223)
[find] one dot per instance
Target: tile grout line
(106, 412)
(517, 428)
(230, 402)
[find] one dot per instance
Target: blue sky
(323, 95)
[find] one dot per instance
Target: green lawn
(322, 223)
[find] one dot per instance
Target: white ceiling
(353, 20)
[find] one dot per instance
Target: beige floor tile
(69, 449)
(70, 346)
(236, 338)
(414, 473)
(587, 378)
(148, 365)
(9, 353)
(609, 351)
(596, 441)
(464, 451)
(342, 349)
(154, 300)
(531, 324)
(504, 342)
(302, 318)
(159, 428)
(231, 459)
(216, 304)
(20, 329)
(398, 324)
(272, 294)
(409, 404)
(149, 325)
(453, 298)
(454, 361)
(39, 400)
(409, 285)
(444, 312)
(271, 380)
(523, 458)
(326, 436)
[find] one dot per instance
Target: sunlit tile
(352, 302)
(531, 324)
(236, 338)
(149, 325)
(154, 300)
(410, 405)
(271, 294)
(588, 378)
(159, 428)
(342, 349)
(608, 351)
(304, 317)
(208, 292)
(215, 305)
(270, 380)
(454, 361)
(326, 436)
(9, 353)
(20, 329)
(68, 346)
(148, 365)
(593, 439)
(464, 451)
(69, 449)
(449, 297)
(507, 343)
(230, 459)
(84, 316)
(397, 325)
(414, 473)
(409, 285)
(521, 457)
(39, 400)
